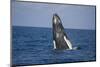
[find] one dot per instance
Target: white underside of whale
(54, 44)
(68, 42)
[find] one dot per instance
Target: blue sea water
(33, 45)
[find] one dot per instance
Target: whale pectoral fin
(54, 43)
(68, 42)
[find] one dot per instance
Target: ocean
(34, 45)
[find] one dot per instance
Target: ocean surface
(33, 45)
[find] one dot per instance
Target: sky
(41, 14)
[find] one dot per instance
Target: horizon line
(51, 27)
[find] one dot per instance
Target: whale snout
(56, 19)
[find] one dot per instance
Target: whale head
(56, 19)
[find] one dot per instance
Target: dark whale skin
(58, 33)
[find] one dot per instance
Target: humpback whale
(60, 39)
